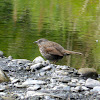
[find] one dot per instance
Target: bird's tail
(67, 52)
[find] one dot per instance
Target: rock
(36, 66)
(42, 73)
(18, 62)
(82, 81)
(3, 76)
(63, 67)
(78, 88)
(46, 63)
(20, 85)
(92, 83)
(13, 80)
(96, 89)
(88, 72)
(53, 80)
(64, 79)
(38, 59)
(67, 88)
(73, 89)
(74, 80)
(27, 66)
(2, 94)
(2, 88)
(86, 93)
(30, 82)
(61, 72)
(72, 84)
(1, 54)
(85, 88)
(47, 97)
(33, 88)
(10, 58)
(46, 68)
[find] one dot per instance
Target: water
(73, 24)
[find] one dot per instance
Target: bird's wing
(54, 51)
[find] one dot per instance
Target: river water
(73, 24)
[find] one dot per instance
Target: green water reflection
(73, 24)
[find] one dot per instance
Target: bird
(52, 51)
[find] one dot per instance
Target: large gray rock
(88, 72)
(96, 89)
(92, 83)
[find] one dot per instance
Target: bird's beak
(35, 42)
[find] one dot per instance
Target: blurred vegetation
(74, 24)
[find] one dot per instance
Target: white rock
(47, 97)
(64, 67)
(92, 83)
(85, 88)
(16, 62)
(74, 80)
(2, 88)
(67, 88)
(73, 89)
(46, 68)
(81, 81)
(87, 93)
(96, 89)
(30, 82)
(2, 94)
(36, 66)
(15, 80)
(78, 88)
(34, 93)
(42, 73)
(20, 85)
(33, 88)
(38, 59)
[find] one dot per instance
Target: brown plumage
(53, 51)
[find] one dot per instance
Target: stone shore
(40, 80)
